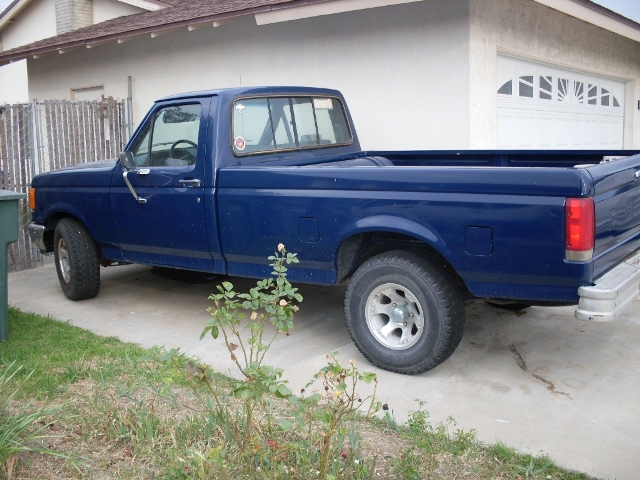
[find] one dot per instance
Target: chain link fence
(43, 136)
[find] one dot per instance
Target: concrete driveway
(538, 380)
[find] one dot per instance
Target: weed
(130, 418)
(328, 408)
(21, 432)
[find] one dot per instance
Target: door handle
(194, 182)
(637, 174)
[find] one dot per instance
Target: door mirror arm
(126, 158)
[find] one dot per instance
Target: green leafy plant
(21, 432)
(271, 303)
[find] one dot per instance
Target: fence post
(39, 140)
(129, 110)
(32, 152)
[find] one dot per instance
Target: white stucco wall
(13, 83)
(526, 29)
(104, 10)
(35, 22)
(404, 69)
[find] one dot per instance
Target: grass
(112, 410)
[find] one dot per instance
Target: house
(418, 74)
(27, 21)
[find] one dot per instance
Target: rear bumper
(36, 234)
(612, 293)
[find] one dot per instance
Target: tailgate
(617, 205)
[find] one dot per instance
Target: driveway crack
(523, 366)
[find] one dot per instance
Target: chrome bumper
(612, 293)
(36, 234)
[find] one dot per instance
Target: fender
(393, 224)
(97, 221)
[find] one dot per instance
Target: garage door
(544, 107)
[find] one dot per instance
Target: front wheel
(404, 312)
(77, 260)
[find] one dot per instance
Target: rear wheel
(77, 260)
(404, 312)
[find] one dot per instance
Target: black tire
(512, 307)
(428, 312)
(77, 260)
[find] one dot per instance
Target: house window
(87, 93)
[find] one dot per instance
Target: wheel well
(49, 234)
(359, 248)
(52, 221)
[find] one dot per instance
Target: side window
(287, 123)
(170, 139)
(140, 149)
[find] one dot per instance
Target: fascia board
(288, 13)
(590, 13)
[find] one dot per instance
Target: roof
(190, 13)
(196, 13)
(254, 90)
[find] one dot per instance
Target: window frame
(150, 125)
(293, 149)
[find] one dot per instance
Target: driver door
(159, 218)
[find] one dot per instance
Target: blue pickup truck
(213, 181)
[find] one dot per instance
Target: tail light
(32, 198)
(579, 236)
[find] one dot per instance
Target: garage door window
(567, 91)
(541, 106)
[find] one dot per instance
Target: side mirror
(126, 158)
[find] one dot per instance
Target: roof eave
(11, 11)
(215, 20)
(596, 15)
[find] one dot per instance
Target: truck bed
(496, 217)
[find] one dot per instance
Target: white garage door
(544, 107)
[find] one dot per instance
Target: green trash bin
(9, 233)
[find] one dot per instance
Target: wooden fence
(43, 136)
(79, 132)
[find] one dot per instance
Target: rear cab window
(268, 124)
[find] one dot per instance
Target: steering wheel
(171, 150)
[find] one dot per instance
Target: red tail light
(579, 237)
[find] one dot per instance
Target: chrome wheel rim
(394, 316)
(63, 261)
